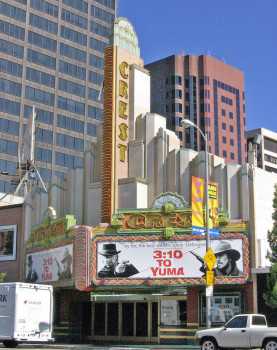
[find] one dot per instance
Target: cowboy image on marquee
(113, 268)
(65, 271)
(226, 260)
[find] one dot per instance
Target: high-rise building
(208, 92)
(264, 143)
(51, 57)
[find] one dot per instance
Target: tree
(270, 296)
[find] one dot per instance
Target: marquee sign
(117, 260)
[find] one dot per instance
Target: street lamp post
(187, 124)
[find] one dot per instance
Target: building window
(72, 52)
(8, 167)
(95, 112)
(70, 123)
(9, 67)
(8, 147)
(45, 6)
(99, 29)
(9, 126)
(11, 49)
(43, 155)
(96, 78)
(72, 88)
(40, 77)
(9, 107)
(91, 129)
(43, 23)
(41, 59)
(176, 80)
(232, 155)
(39, 96)
(107, 3)
(44, 136)
(224, 140)
(74, 19)
(231, 128)
(102, 14)
(224, 126)
(12, 12)
(68, 141)
(77, 4)
(42, 115)
(10, 87)
(231, 142)
(71, 105)
(94, 95)
(68, 161)
(224, 153)
(97, 45)
(12, 30)
(74, 36)
(223, 112)
(231, 115)
(72, 70)
(42, 41)
(96, 61)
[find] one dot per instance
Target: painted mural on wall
(7, 242)
(50, 265)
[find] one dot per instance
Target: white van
(26, 313)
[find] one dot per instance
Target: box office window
(173, 312)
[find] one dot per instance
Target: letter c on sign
(123, 69)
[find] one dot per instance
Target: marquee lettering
(123, 69)
(123, 131)
(122, 152)
(123, 89)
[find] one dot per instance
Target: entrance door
(129, 321)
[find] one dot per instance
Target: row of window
(174, 94)
(107, 3)
(43, 23)
(42, 116)
(68, 161)
(226, 87)
(227, 100)
(12, 30)
(79, 5)
(68, 141)
(10, 87)
(39, 96)
(8, 147)
(45, 6)
(10, 67)
(101, 14)
(231, 114)
(173, 80)
(224, 154)
(224, 140)
(42, 41)
(11, 49)
(12, 12)
(224, 127)
(74, 19)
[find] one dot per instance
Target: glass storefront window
(223, 308)
(173, 312)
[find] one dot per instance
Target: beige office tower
(126, 96)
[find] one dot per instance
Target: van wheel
(271, 344)
(10, 343)
(210, 344)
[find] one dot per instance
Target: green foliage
(272, 235)
(270, 296)
(2, 276)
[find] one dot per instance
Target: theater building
(147, 278)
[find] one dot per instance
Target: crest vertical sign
(123, 53)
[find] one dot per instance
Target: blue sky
(243, 33)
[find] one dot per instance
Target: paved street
(93, 347)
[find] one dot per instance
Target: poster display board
(7, 242)
(50, 265)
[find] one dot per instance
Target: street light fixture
(187, 124)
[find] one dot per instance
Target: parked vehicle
(242, 331)
(26, 313)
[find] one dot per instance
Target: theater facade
(147, 279)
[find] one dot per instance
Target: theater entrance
(126, 321)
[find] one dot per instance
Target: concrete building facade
(208, 92)
(52, 57)
(264, 143)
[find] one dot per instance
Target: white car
(242, 331)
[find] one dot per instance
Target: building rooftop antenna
(29, 175)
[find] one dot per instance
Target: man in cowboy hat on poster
(226, 259)
(113, 268)
(64, 272)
